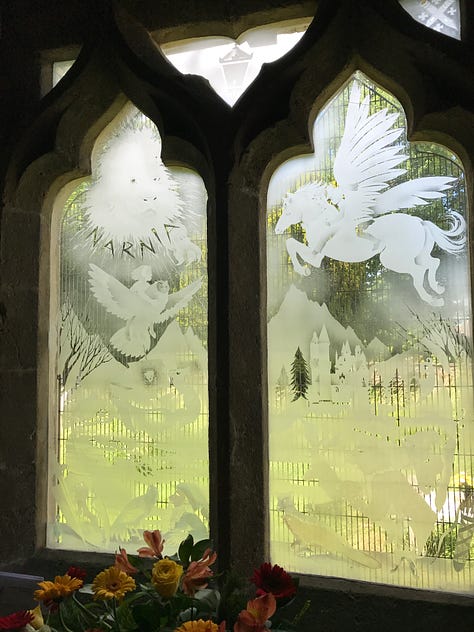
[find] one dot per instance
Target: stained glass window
(440, 15)
(130, 451)
(370, 353)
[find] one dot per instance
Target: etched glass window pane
(369, 353)
(232, 65)
(229, 65)
(131, 450)
(440, 15)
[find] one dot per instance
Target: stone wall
(46, 142)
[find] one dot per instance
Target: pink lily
(123, 564)
(155, 544)
(198, 573)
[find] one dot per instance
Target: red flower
(77, 572)
(198, 573)
(155, 544)
(273, 579)
(258, 612)
(16, 621)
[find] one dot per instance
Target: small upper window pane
(229, 65)
(60, 68)
(232, 65)
(440, 15)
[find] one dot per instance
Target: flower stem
(82, 607)
(61, 618)
(114, 608)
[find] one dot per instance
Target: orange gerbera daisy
(112, 583)
(63, 586)
(201, 626)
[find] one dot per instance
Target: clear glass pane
(441, 15)
(131, 452)
(369, 353)
(232, 65)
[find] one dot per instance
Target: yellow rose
(165, 577)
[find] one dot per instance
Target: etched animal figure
(356, 219)
(142, 305)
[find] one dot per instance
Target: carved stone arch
(268, 125)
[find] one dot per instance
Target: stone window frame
(376, 37)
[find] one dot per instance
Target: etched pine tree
(300, 379)
(281, 386)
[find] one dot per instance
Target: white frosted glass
(369, 353)
(131, 451)
(441, 15)
(231, 65)
(60, 68)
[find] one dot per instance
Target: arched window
(444, 17)
(131, 447)
(275, 349)
(369, 351)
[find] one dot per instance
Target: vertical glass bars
(130, 451)
(370, 354)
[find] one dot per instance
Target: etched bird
(142, 305)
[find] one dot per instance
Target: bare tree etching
(78, 349)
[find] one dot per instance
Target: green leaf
(149, 617)
(199, 548)
(185, 549)
(125, 618)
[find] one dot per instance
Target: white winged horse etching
(353, 222)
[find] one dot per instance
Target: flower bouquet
(150, 592)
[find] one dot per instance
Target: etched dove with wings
(357, 217)
(142, 306)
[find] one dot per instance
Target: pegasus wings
(368, 159)
(412, 193)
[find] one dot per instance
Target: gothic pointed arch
(109, 161)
